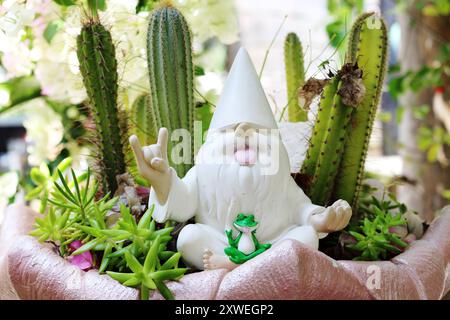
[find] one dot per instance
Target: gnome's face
(245, 165)
(243, 144)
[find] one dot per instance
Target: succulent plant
(295, 77)
(76, 222)
(383, 231)
(334, 163)
(171, 74)
(98, 66)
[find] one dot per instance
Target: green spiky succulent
(132, 243)
(376, 236)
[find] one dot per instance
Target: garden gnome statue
(240, 191)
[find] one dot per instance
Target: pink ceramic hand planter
(290, 270)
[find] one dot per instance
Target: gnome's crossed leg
(198, 242)
(195, 239)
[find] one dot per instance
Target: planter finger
(18, 221)
(195, 286)
(428, 259)
(291, 270)
(36, 272)
(384, 280)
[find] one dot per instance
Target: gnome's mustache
(227, 147)
(245, 152)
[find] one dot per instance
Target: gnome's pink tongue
(245, 156)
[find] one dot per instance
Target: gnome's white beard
(227, 189)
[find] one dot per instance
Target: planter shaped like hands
(290, 270)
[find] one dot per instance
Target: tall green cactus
(171, 73)
(331, 150)
(295, 77)
(320, 128)
(335, 159)
(98, 66)
(144, 122)
(368, 48)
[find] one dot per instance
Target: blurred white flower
(209, 18)
(8, 187)
(55, 63)
(44, 132)
(17, 60)
(208, 85)
(57, 67)
(14, 16)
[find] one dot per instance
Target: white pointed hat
(243, 98)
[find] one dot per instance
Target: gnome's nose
(243, 129)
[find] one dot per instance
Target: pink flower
(400, 231)
(82, 260)
(142, 191)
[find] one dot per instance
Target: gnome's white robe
(286, 217)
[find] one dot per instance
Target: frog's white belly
(246, 244)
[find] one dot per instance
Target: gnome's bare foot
(213, 261)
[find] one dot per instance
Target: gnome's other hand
(153, 165)
(334, 218)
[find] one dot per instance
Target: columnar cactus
(295, 77)
(334, 162)
(368, 48)
(98, 66)
(331, 149)
(320, 128)
(171, 73)
(144, 122)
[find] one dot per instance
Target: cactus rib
(98, 66)
(295, 77)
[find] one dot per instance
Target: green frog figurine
(245, 246)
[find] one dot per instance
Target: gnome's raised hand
(153, 165)
(334, 218)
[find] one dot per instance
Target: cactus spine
(171, 74)
(144, 122)
(336, 155)
(98, 66)
(295, 77)
(367, 47)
